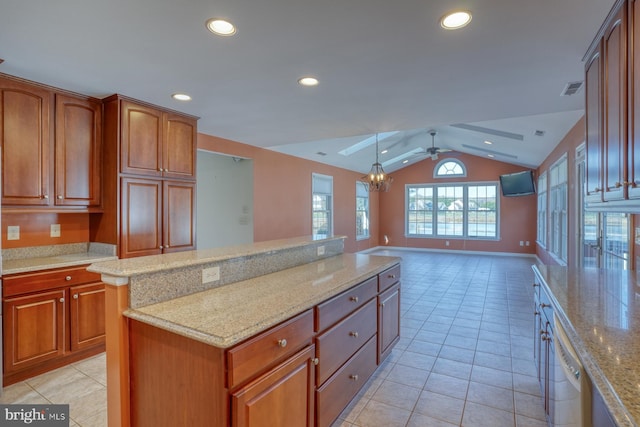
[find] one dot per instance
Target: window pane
(482, 218)
(362, 211)
(420, 211)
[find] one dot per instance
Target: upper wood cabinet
(26, 141)
(593, 84)
(633, 178)
(51, 147)
(157, 143)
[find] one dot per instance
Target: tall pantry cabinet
(149, 179)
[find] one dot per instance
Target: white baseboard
(452, 251)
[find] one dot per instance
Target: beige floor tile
(419, 420)
(408, 376)
(377, 414)
(488, 395)
(440, 406)
(98, 420)
(71, 390)
(450, 386)
(87, 405)
(479, 415)
(529, 405)
(398, 395)
(56, 379)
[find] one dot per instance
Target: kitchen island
(287, 346)
(600, 312)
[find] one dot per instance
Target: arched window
(449, 168)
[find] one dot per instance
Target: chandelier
(377, 179)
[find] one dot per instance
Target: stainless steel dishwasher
(572, 397)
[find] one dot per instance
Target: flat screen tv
(517, 184)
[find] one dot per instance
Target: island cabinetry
(51, 146)
(51, 318)
(388, 311)
(150, 158)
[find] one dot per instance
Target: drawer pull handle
(354, 299)
(535, 284)
(59, 197)
(75, 296)
(282, 343)
(354, 334)
(315, 361)
(61, 299)
(67, 278)
(353, 377)
(392, 276)
(543, 305)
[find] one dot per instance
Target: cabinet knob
(61, 299)
(161, 247)
(543, 305)
(59, 197)
(67, 278)
(315, 361)
(535, 284)
(353, 377)
(75, 296)
(353, 334)
(46, 196)
(166, 246)
(354, 299)
(392, 276)
(282, 343)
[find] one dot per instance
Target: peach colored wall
(517, 214)
(568, 145)
(282, 194)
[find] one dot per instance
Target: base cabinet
(51, 319)
(388, 321)
(281, 397)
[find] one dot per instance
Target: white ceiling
(382, 66)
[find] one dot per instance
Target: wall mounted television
(517, 184)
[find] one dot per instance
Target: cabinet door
(33, 328)
(141, 217)
(86, 318)
(25, 140)
(633, 177)
(141, 139)
(593, 91)
(179, 148)
(282, 397)
(179, 223)
(388, 321)
(78, 145)
(615, 109)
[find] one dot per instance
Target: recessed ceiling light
(405, 162)
(181, 97)
(221, 27)
(488, 142)
(308, 81)
(490, 155)
(384, 151)
(455, 20)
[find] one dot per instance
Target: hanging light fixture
(377, 179)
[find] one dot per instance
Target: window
(322, 206)
(453, 210)
(558, 232)
(362, 211)
(542, 210)
(449, 168)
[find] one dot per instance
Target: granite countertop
(229, 314)
(600, 311)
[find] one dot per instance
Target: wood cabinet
(281, 397)
(149, 188)
(388, 321)
(51, 147)
(51, 318)
(157, 217)
(593, 84)
(303, 371)
(633, 153)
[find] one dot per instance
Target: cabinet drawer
(336, 393)
(340, 342)
(264, 350)
(388, 277)
(45, 280)
(329, 312)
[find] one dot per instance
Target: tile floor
(465, 356)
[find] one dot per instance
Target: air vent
(321, 153)
(539, 133)
(571, 88)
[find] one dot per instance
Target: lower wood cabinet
(50, 319)
(388, 321)
(281, 397)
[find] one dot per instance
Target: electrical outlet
(211, 274)
(521, 242)
(13, 232)
(320, 250)
(526, 243)
(446, 243)
(55, 230)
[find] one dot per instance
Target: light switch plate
(55, 230)
(13, 232)
(320, 250)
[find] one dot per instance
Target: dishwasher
(572, 397)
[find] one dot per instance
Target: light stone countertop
(27, 265)
(600, 311)
(229, 314)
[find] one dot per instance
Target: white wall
(224, 200)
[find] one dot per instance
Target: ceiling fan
(433, 151)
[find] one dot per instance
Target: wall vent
(571, 88)
(321, 153)
(539, 132)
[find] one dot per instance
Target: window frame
(434, 211)
(449, 160)
(542, 209)
(558, 206)
(317, 182)
(365, 212)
